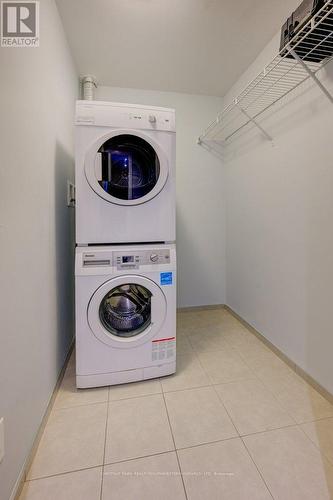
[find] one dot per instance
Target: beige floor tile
(238, 336)
(210, 318)
(221, 470)
(189, 374)
(291, 465)
(300, 400)
(296, 396)
(277, 380)
(321, 434)
(208, 340)
(149, 478)
(224, 366)
(183, 344)
(252, 407)
(186, 321)
(68, 395)
(73, 439)
(306, 406)
(197, 416)
(250, 348)
(80, 485)
(265, 361)
(137, 427)
(221, 319)
(200, 322)
(134, 389)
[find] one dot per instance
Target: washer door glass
(130, 167)
(125, 311)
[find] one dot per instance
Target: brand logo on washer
(19, 24)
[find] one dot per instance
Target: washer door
(127, 311)
(126, 168)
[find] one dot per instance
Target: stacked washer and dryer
(125, 269)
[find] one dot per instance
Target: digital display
(128, 258)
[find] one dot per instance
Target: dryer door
(127, 311)
(126, 168)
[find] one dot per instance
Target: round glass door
(125, 311)
(126, 168)
(130, 167)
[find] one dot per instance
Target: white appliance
(125, 173)
(125, 313)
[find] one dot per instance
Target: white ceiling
(193, 46)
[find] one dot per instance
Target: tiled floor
(234, 423)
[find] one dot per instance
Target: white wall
(200, 195)
(279, 225)
(38, 89)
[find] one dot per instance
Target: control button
(154, 257)
(152, 119)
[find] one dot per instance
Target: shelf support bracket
(311, 74)
(254, 121)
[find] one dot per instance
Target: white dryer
(125, 173)
(125, 313)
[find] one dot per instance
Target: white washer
(125, 313)
(125, 173)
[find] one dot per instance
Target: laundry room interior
(166, 214)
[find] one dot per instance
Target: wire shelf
(307, 53)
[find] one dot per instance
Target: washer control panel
(135, 259)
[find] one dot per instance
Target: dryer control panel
(118, 115)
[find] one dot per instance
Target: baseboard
(200, 308)
(17, 490)
(297, 369)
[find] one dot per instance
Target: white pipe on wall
(89, 83)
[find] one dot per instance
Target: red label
(164, 340)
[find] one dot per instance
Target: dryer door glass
(125, 311)
(129, 167)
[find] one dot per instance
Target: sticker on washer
(166, 278)
(163, 349)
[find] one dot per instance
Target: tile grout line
(141, 457)
(170, 451)
(230, 382)
(80, 405)
(260, 474)
(174, 443)
(63, 473)
(239, 436)
(218, 397)
(155, 454)
(188, 388)
(105, 437)
(322, 454)
(266, 386)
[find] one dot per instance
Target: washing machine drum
(130, 167)
(126, 310)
